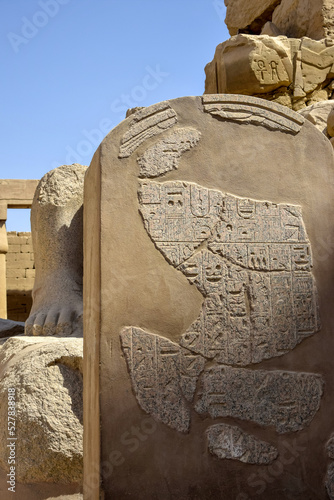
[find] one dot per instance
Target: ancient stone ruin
(194, 257)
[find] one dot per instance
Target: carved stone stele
(207, 312)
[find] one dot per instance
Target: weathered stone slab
(201, 304)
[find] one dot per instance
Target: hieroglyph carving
(164, 155)
(254, 272)
(247, 109)
(251, 260)
(231, 442)
(287, 400)
(163, 374)
(146, 123)
(164, 378)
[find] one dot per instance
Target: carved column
(3, 251)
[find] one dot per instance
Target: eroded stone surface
(329, 481)
(245, 109)
(231, 442)
(311, 18)
(255, 274)
(286, 400)
(162, 375)
(292, 72)
(250, 15)
(146, 123)
(46, 374)
(164, 155)
(294, 18)
(330, 447)
(320, 114)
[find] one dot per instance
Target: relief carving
(146, 123)
(247, 109)
(255, 272)
(231, 442)
(163, 375)
(251, 260)
(164, 155)
(286, 400)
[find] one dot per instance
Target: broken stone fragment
(44, 376)
(292, 72)
(231, 442)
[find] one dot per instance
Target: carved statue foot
(58, 311)
(57, 225)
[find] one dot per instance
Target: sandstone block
(291, 72)
(320, 114)
(14, 248)
(14, 239)
(30, 273)
(16, 273)
(26, 249)
(249, 16)
(294, 18)
(311, 18)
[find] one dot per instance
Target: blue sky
(71, 68)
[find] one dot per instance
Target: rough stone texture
(165, 154)
(57, 231)
(311, 18)
(294, 18)
(9, 328)
(134, 281)
(320, 115)
(330, 447)
(249, 16)
(231, 442)
(329, 481)
(291, 72)
(47, 377)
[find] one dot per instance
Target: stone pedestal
(208, 284)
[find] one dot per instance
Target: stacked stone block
(20, 275)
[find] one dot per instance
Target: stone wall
(20, 275)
